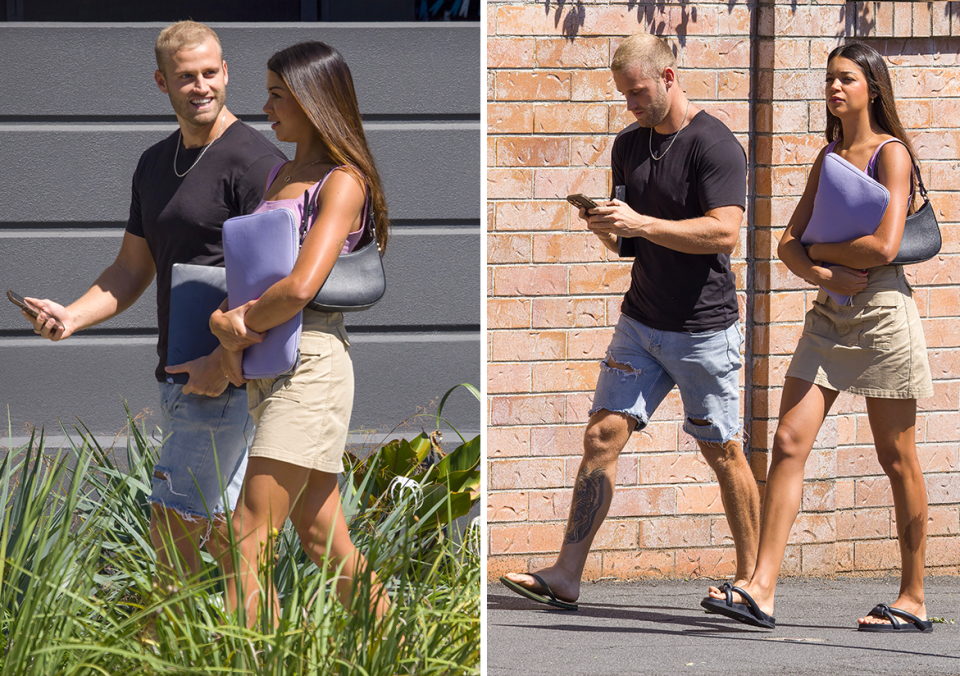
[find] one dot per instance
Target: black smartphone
(21, 303)
(582, 201)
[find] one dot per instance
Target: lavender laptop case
(260, 250)
(196, 291)
(848, 204)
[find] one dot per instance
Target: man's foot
(560, 586)
(902, 603)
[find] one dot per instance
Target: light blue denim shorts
(704, 366)
(186, 479)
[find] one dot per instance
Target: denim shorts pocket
(171, 398)
(735, 346)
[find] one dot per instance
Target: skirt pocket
(877, 315)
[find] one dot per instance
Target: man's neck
(197, 136)
(679, 115)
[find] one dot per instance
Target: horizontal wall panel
(107, 69)
(433, 276)
(79, 107)
(82, 172)
(396, 377)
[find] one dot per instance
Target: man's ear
(669, 77)
(160, 80)
(225, 78)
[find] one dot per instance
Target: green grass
(77, 583)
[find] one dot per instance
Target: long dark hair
(319, 79)
(883, 107)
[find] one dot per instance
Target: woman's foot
(763, 599)
(903, 603)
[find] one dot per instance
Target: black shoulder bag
(921, 239)
(357, 280)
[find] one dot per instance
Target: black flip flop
(549, 598)
(912, 624)
(748, 613)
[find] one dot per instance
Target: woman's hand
(842, 280)
(231, 330)
(232, 363)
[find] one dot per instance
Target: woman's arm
(838, 279)
(340, 209)
(894, 170)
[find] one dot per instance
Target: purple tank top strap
(872, 164)
(831, 146)
(871, 170)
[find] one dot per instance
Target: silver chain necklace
(176, 153)
(650, 138)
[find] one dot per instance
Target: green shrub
(77, 573)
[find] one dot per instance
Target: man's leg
(203, 456)
(706, 367)
(176, 540)
(631, 385)
(741, 500)
(606, 435)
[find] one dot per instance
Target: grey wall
(79, 105)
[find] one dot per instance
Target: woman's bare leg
(269, 490)
(893, 423)
(274, 490)
(318, 517)
(803, 408)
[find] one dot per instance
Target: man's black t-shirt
(182, 218)
(705, 168)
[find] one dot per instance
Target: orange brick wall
(554, 292)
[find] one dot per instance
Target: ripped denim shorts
(704, 366)
(186, 477)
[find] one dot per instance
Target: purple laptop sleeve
(848, 204)
(260, 250)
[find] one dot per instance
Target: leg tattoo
(587, 498)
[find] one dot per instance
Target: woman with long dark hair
(871, 347)
(302, 419)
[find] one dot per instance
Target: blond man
(681, 177)
(211, 168)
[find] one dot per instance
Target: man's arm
(116, 289)
(715, 232)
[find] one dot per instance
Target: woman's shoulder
(890, 145)
(343, 178)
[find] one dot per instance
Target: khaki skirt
(873, 348)
(303, 418)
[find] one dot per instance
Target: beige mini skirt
(873, 348)
(303, 418)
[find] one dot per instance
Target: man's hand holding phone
(52, 320)
(615, 218)
(589, 212)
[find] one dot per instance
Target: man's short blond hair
(650, 52)
(183, 35)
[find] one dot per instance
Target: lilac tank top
(296, 205)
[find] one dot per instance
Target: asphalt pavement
(658, 627)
